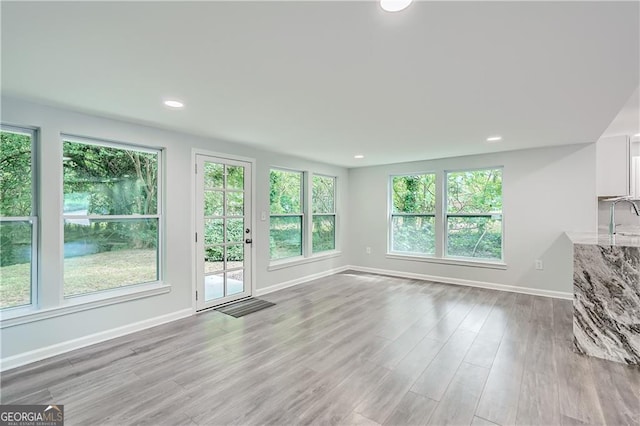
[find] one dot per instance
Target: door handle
(248, 241)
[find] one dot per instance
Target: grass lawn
(83, 274)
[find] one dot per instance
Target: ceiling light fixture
(358, 156)
(494, 138)
(172, 103)
(394, 5)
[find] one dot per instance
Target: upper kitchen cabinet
(613, 166)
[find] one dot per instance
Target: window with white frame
(112, 215)
(323, 227)
(474, 214)
(413, 211)
(18, 218)
(465, 222)
(286, 214)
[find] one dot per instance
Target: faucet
(612, 212)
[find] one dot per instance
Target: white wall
(546, 192)
(179, 270)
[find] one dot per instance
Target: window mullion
(440, 220)
(307, 219)
(51, 224)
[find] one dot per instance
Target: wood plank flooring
(352, 348)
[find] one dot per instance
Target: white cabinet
(634, 184)
(613, 166)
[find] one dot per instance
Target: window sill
(299, 260)
(19, 316)
(450, 261)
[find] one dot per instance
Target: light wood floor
(347, 349)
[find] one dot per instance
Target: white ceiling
(327, 80)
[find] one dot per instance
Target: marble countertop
(601, 239)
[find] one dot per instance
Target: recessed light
(637, 135)
(494, 138)
(172, 103)
(358, 156)
(394, 5)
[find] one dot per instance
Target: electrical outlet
(539, 265)
(368, 250)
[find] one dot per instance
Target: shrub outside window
(323, 232)
(18, 219)
(286, 214)
(111, 216)
(474, 214)
(413, 207)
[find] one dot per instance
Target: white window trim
(334, 213)
(302, 215)
(301, 260)
(23, 315)
(308, 256)
(127, 292)
(391, 214)
(441, 256)
(33, 218)
(446, 215)
(461, 261)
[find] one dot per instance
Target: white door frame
(194, 261)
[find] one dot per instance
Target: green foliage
(478, 237)
(475, 191)
(414, 234)
(285, 237)
(323, 226)
(323, 233)
(215, 238)
(285, 197)
(235, 177)
(468, 193)
(285, 192)
(412, 196)
(220, 231)
(100, 180)
(109, 235)
(111, 181)
(15, 174)
(414, 193)
(16, 199)
(213, 175)
(15, 263)
(323, 194)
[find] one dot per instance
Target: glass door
(223, 230)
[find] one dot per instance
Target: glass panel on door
(223, 199)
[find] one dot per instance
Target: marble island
(606, 296)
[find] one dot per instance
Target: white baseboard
(60, 348)
(469, 283)
(306, 278)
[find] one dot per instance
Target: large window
(18, 220)
(323, 236)
(111, 216)
(455, 215)
(474, 214)
(286, 214)
(302, 214)
(413, 211)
